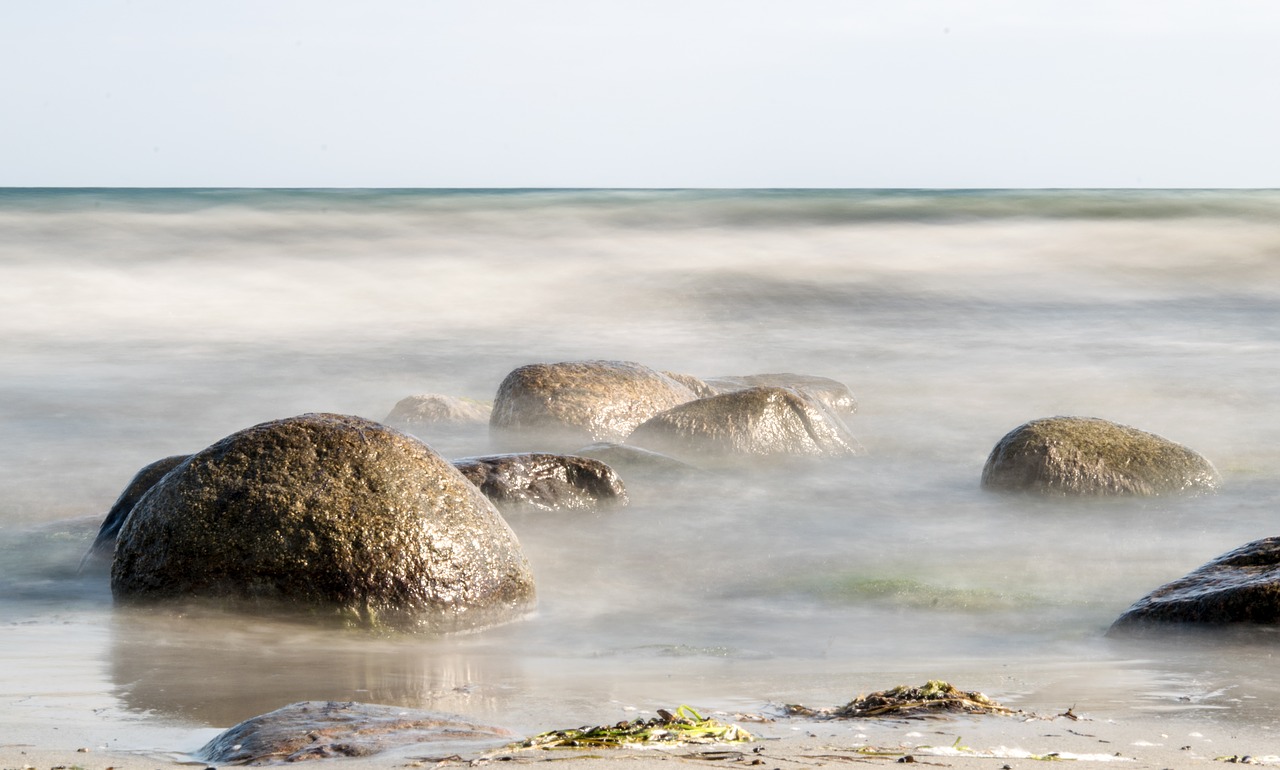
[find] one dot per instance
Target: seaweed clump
(935, 697)
(684, 726)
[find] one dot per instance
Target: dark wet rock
(1240, 587)
(329, 515)
(325, 729)
(564, 405)
(836, 395)
(636, 460)
(431, 410)
(1089, 456)
(104, 545)
(761, 421)
(542, 481)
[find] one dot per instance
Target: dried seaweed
(934, 697)
(684, 726)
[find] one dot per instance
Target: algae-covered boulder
(104, 545)
(566, 404)
(433, 410)
(1242, 586)
(836, 395)
(327, 514)
(543, 481)
(1089, 456)
(763, 421)
(327, 729)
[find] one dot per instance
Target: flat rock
(542, 481)
(1089, 456)
(1239, 587)
(325, 729)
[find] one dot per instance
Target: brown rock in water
(430, 410)
(1089, 456)
(328, 515)
(836, 395)
(1239, 587)
(104, 545)
(762, 421)
(542, 481)
(325, 729)
(564, 405)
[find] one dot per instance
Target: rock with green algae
(1239, 588)
(566, 404)
(754, 422)
(1090, 456)
(327, 515)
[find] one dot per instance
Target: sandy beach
(987, 742)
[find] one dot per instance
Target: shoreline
(988, 742)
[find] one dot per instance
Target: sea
(141, 323)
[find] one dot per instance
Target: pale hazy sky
(644, 93)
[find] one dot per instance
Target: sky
(641, 93)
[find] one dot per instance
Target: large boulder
(104, 545)
(330, 515)
(1089, 456)
(327, 729)
(567, 404)
(836, 395)
(762, 421)
(433, 410)
(541, 481)
(1242, 586)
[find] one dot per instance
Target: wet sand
(987, 742)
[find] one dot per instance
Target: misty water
(140, 324)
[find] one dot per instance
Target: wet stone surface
(329, 515)
(1089, 456)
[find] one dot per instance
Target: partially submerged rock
(324, 729)
(433, 410)
(836, 395)
(1239, 587)
(566, 404)
(634, 460)
(543, 481)
(1089, 456)
(762, 421)
(104, 545)
(934, 698)
(330, 515)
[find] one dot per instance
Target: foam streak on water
(140, 324)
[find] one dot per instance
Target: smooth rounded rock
(542, 481)
(563, 405)
(760, 422)
(836, 395)
(329, 515)
(1090, 456)
(432, 410)
(328, 729)
(104, 545)
(1239, 587)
